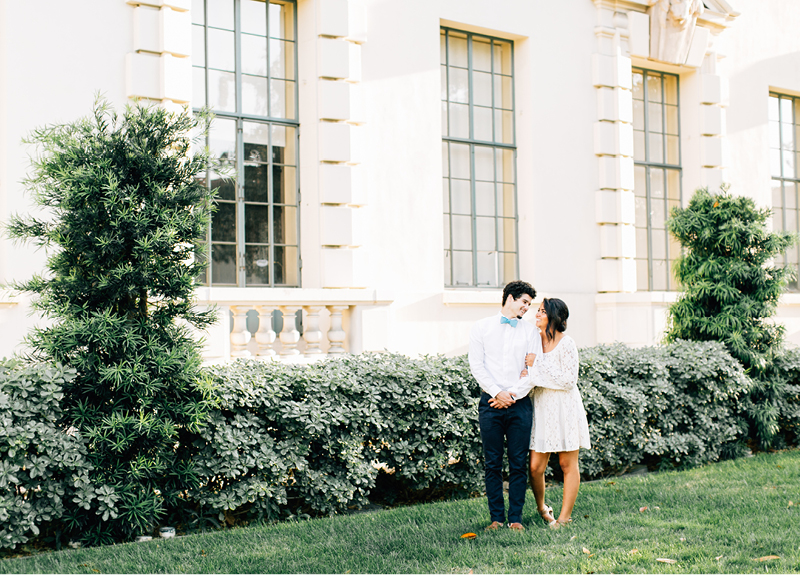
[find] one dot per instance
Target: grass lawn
(716, 519)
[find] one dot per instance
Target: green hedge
(283, 439)
(313, 437)
(43, 468)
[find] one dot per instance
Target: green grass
(738, 510)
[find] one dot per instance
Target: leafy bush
(314, 437)
(42, 467)
(672, 406)
(780, 390)
(124, 208)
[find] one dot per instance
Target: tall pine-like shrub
(121, 211)
(731, 288)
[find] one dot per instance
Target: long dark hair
(557, 314)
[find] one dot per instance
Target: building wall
(55, 56)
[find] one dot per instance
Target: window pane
(462, 232)
(282, 99)
(443, 81)
(484, 199)
(641, 243)
(220, 50)
(777, 195)
(786, 111)
(657, 214)
(223, 226)
(446, 229)
(507, 201)
(284, 185)
(640, 204)
(286, 269)
(485, 234)
(481, 54)
(459, 120)
(638, 86)
(459, 161)
(502, 58)
(220, 14)
(656, 183)
(442, 48)
(659, 239)
(460, 197)
(481, 88)
(774, 114)
(775, 162)
(656, 148)
(222, 91)
(484, 163)
(640, 181)
(223, 264)
(508, 235)
(284, 144)
(444, 119)
(222, 140)
(445, 161)
(653, 88)
(255, 183)
(642, 275)
(458, 87)
(790, 197)
(654, 118)
(458, 49)
(788, 165)
(504, 127)
(660, 273)
(505, 165)
(488, 265)
(285, 222)
(254, 17)
(638, 115)
(198, 87)
(225, 186)
(198, 11)
(448, 276)
(787, 136)
(673, 150)
(672, 120)
(482, 127)
(503, 93)
(462, 268)
(256, 261)
(254, 96)
(281, 21)
(670, 89)
(638, 146)
(198, 46)
(254, 55)
(674, 185)
(256, 224)
(281, 59)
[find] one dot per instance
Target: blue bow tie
(513, 322)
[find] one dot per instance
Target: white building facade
(398, 162)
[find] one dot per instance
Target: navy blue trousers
(509, 427)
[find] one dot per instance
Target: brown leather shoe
(516, 526)
(494, 526)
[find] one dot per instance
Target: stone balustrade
(297, 325)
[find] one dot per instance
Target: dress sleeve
(559, 372)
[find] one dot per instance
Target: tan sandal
(547, 511)
(557, 524)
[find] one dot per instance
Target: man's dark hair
(557, 314)
(516, 289)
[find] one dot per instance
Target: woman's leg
(572, 480)
(538, 467)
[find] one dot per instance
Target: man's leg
(520, 419)
(492, 435)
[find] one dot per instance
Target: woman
(559, 421)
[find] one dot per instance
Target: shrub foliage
(123, 209)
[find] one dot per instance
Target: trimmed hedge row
(284, 440)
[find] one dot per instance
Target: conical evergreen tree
(123, 210)
(731, 287)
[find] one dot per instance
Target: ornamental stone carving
(672, 26)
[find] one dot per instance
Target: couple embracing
(509, 358)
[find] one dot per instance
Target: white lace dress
(559, 419)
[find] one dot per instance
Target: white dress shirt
(497, 354)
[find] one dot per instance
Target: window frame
(239, 117)
(472, 142)
(784, 180)
(648, 165)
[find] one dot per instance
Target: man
(497, 349)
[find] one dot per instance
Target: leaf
(573, 538)
(468, 536)
(791, 504)
(633, 552)
(718, 557)
(670, 561)
(767, 558)
(585, 550)
(642, 509)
